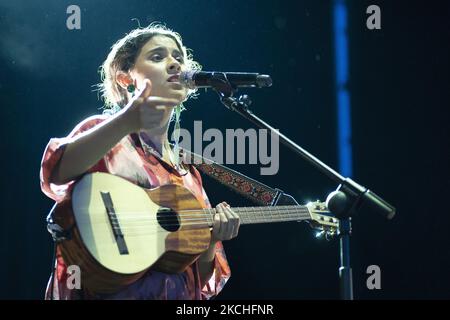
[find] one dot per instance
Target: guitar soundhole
(168, 219)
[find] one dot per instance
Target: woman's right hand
(146, 112)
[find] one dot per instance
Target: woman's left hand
(226, 223)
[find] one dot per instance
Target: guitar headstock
(322, 220)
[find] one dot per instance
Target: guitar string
(144, 218)
(276, 208)
(128, 231)
(138, 214)
(207, 212)
(201, 216)
(150, 220)
(172, 222)
(125, 219)
(125, 222)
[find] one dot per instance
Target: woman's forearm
(206, 263)
(88, 148)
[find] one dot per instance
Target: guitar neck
(254, 215)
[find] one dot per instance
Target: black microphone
(206, 79)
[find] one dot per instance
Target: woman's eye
(156, 57)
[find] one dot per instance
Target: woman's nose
(174, 66)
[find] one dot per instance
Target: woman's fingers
(146, 90)
(218, 218)
(234, 221)
(223, 223)
(216, 225)
(226, 222)
(145, 111)
(158, 102)
(219, 229)
(228, 225)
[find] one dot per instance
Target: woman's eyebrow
(157, 49)
(163, 49)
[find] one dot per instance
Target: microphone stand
(344, 203)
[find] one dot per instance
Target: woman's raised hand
(146, 112)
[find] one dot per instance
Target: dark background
(399, 89)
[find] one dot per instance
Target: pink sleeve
(53, 153)
(220, 275)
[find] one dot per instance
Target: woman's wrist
(127, 122)
(210, 253)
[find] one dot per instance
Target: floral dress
(129, 160)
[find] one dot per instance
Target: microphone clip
(221, 85)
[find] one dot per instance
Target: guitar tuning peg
(320, 234)
(245, 99)
(330, 235)
(317, 205)
(325, 234)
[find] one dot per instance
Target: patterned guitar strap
(251, 189)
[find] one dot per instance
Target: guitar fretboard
(251, 215)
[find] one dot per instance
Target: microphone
(206, 79)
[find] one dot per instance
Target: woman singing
(142, 95)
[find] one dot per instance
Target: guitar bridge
(114, 222)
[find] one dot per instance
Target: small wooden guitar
(120, 230)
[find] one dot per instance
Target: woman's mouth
(174, 78)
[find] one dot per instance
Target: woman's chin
(175, 92)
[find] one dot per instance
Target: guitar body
(120, 230)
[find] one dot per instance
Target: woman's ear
(123, 79)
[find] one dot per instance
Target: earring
(131, 88)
